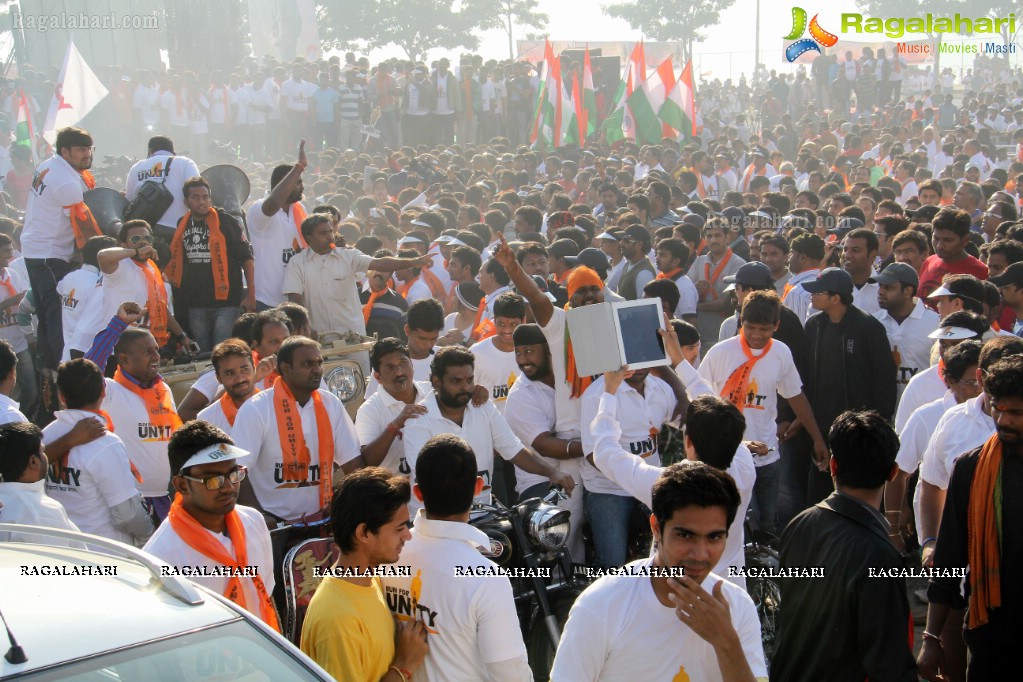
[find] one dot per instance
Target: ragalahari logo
(818, 36)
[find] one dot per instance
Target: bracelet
(393, 430)
(926, 540)
(930, 635)
(568, 447)
(405, 675)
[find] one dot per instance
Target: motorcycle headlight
(548, 527)
(345, 381)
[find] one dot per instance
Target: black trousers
(43, 275)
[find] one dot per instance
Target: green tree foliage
(669, 20)
(219, 34)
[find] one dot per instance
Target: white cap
(606, 235)
(952, 333)
(941, 291)
(220, 452)
(408, 239)
(420, 223)
(456, 242)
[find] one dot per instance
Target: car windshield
(236, 651)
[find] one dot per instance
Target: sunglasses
(140, 239)
(217, 482)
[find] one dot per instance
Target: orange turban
(582, 276)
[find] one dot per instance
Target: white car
(78, 614)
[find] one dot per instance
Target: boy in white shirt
(752, 370)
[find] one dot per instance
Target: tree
(217, 35)
(669, 20)
(914, 8)
(995, 9)
(521, 12)
(416, 26)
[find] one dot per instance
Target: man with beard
(906, 319)
(235, 371)
(382, 418)
(297, 433)
(448, 411)
(638, 269)
(532, 416)
(646, 625)
(192, 539)
(708, 273)
(980, 528)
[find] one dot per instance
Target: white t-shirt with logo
(256, 430)
(925, 386)
(296, 94)
(154, 169)
(376, 413)
(482, 427)
(640, 418)
(274, 241)
(619, 630)
(97, 476)
(773, 375)
(214, 414)
(47, 232)
(496, 370)
(167, 545)
(10, 330)
(909, 341)
(146, 444)
(568, 408)
(471, 618)
(76, 290)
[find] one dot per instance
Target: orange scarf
(298, 214)
(83, 224)
(179, 102)
(294, 451)
(579, 384)
(218, 255)
(786, 290)
(202, 541)
(737, 386)
(713, 277)
(432, 281)
(6, 283)
(158, 400)
(985, 536)
(669, 275)
(229, 408)
(367, 309)
(156, 295)
(701, 247)
(268, 381)
(482, 328)
(560, 279)
(748, 176)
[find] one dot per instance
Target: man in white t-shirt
(95, 481)
(80, 288)
(235, 371)
(206, 529)
(471, 618)
(10, 410)
(399, 398)
(171, 170)
(297, 434)
(652, 627)
(751, 370)
(448, 410)
(274, 224)
(138, 401)
(647, 403)
(22, 480)
(49, 238)
(714, 429)
(13, 287)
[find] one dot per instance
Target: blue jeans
(608, 516)
(764, 504)
(210, 326)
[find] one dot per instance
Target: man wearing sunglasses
(130, 274)
(207, 537)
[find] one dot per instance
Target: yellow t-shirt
(349, 630)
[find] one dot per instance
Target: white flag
(78, 91)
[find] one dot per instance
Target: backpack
(152, 200)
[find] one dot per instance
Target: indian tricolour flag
(24, 131)
(648, 99)
(679, 110)
(620, 123)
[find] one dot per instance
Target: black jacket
(846, 626)
(868, 369)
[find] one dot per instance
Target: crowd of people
(843, 297)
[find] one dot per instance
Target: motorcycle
(530, 537)
(766, 593)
